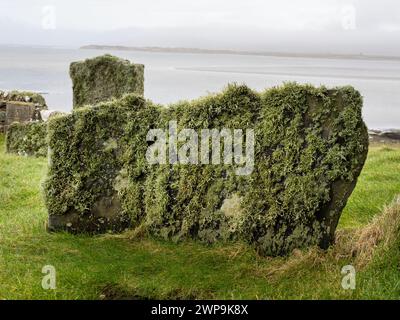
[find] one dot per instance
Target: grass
(378, 184)
(120, 266)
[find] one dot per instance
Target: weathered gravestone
(19, 112)
(21, 120)
(103, 78)
(310, 146)
(19, 106)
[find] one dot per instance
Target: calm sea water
(170, 77)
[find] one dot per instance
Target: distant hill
(238, 52)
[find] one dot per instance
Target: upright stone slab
(19, 112)
(310, 147)
(103, 78)
(21, 121)
(19, 106)
(101, 142)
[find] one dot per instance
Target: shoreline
(242, 52)
(389, 136)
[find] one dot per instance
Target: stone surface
(103, 78)
(19, 112)
(311, 144)
(19, 106)
(105, 215)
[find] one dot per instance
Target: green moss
(311, 144)
(27, 139)
(103, 78)
(93, 151)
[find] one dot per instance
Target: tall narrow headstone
(103, 78)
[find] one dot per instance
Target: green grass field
(121, 266)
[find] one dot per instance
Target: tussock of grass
(361, 243)
(358, 245)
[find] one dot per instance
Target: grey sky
(302, 25)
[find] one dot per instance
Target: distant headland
(359, 56)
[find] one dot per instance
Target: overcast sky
(369, 26)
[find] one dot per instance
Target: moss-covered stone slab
(27, 139)
(103, 78)
(310, 146)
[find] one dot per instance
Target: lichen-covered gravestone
(25, 132)
(103, 78)
(310, 147)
